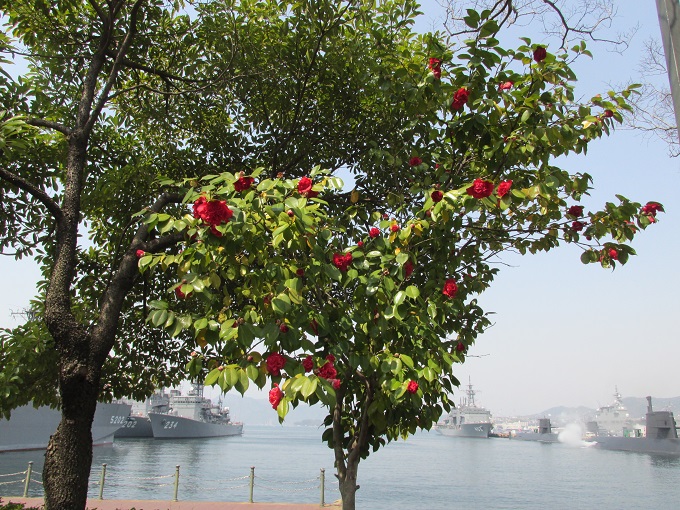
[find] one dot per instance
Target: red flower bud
(540, 53)
(140, 253)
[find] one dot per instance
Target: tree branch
(50, 125)
(34, 191)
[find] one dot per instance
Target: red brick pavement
(137, 504)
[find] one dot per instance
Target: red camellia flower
(408, 268)
(435, 66)
(506, 85)
(575, 210)
(243, 183)
(412, 386)
(275, 396)
(360, 244)
(327, 371)
(283, 327)
(577, 226)
(394, 227)
(652, 208)
(613, 254)
(460, 98)
(437, 196)
(300, 271)
(415, 161)
(540, 53)
(305, 188)
(330, 357)
(460, 347)
(336, 384)
(450, 288)
(503, 188)
(341, 261)
(275, 362)
(308, 364)
(213, 212)
(180, 294)
(374, 232)
(140, 253)
(480, 188)
(304, 185)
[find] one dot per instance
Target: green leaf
(332, 272)
(281, 304)
(242, 383)
(212, 377)
(231, 375)
(252, 372)
(399, 297)
(406, 360)
(282, 409)
(309, 387)
(412, 292)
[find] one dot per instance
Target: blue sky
(565, 333)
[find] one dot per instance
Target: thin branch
(125, 45)
(34, 191)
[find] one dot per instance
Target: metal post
(669, 22)
(323, 487)
(102, 479)
(28, 478)
(176, 481)
(252, 483)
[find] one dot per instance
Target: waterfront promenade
(138, 504)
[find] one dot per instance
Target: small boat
(466, 420)
(661, 436)
(193, 416)
(30, 428)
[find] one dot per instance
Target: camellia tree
(364, 300)
(361, 298)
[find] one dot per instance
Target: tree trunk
(348, 484)
(69, 453)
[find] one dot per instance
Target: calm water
(428, 472)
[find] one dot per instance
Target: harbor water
(428, 471)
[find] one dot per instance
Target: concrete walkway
(138, 504)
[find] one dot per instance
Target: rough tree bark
(347, 463)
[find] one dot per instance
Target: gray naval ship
(138, 423)
(467, 419)
(30, 429)
(661, 436)
(193, 416)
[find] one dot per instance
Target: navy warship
(467, 419)
(30, 428)
(193, 416)
(661, 435)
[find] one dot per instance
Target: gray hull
(135, 426)
(166, 426)
(480, 430)
(30, 428)
(639, 445)
(534, 436)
